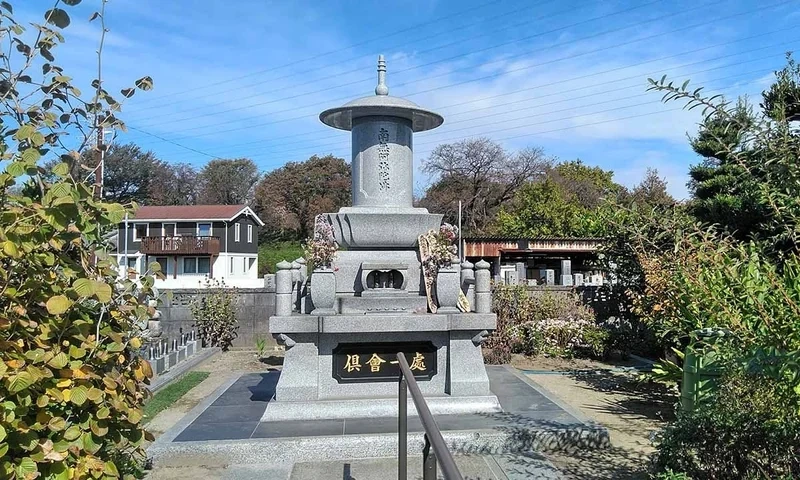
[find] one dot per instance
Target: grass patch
(172, 393)
(272, 253)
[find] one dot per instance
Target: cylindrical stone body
(283, 289)
(483, 293)
(468, 283)
(383, 162)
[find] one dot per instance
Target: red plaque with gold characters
(377, 362)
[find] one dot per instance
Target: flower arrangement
(321, 249)
(442, 246)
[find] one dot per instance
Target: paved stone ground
(236, 413)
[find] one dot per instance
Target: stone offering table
(339, 365)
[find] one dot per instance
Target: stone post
(468, 283)
(295, 284)
(301, 282)
(483, 288)
(283, 289)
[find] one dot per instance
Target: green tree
(651, 191)
(71, 381)
(288, 198)
(227, 182)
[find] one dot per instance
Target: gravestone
(548, 276)
(343, 363)
(577, 279)
(511, 278)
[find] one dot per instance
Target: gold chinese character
(418, 362)
(375, 363)
(353, 363)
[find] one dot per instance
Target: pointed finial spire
(381, 89)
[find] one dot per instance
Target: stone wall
(254, 307)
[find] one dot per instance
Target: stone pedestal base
(372, 408)
(307, 388)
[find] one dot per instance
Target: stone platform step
(484, 467)
(226, 427)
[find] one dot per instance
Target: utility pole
(99, 159)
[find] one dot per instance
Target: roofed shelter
(528, 260)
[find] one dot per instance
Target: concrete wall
(254, 307)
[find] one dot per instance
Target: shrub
(543, 324)
(214, 313)
(71, 384)
(744, 433)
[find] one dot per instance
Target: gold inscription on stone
(353, 363)
(418, 362)
(375, 363)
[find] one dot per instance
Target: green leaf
(103, 413)
(3, 449)
(79, 395)
(57, 17)
(31, 155)
(103, 292)
(144, 83)
(16, 169)
(61, 169)
(24, 132)
(10, 248)
(72, 433)
(2, 434)
(71, 3)
(26, 467)
(57, 424)
(84, 287)
(59, 361)
(8, 7)
(128, 92)
(58, 304)
(19, 382)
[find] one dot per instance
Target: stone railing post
(295, 284)
(483, 288)
(468, 283)
(283, 289)
(302, 274)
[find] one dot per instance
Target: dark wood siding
(242, 246)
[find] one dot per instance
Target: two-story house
(192, 242)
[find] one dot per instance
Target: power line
(505, 121)
(560, 92)
(559, 82)
(538, 105)
(331, 52)
(172, 142)
(484, 77)
(359, 57)
(473, 52)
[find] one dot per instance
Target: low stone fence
(165, 353)
(254, 306)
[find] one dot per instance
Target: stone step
(483, 467)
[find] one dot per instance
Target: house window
(204, 229)
(196, 265)
(252, 262)
(249, 234)
(140, 230)
(231, 259)
(237, 232)
(162, 261)
(168, 229)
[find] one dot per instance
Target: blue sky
(248, 78)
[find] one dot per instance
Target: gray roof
(381, 104)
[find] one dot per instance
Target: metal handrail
(433, 436)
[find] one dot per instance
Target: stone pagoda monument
(343, 328)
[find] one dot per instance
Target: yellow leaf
(136, 342)
(58, 304)
(66, 394)
(64, 383)
(121, 359)
(103, 292)
(10, 249)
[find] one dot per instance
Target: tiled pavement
(236, 413)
